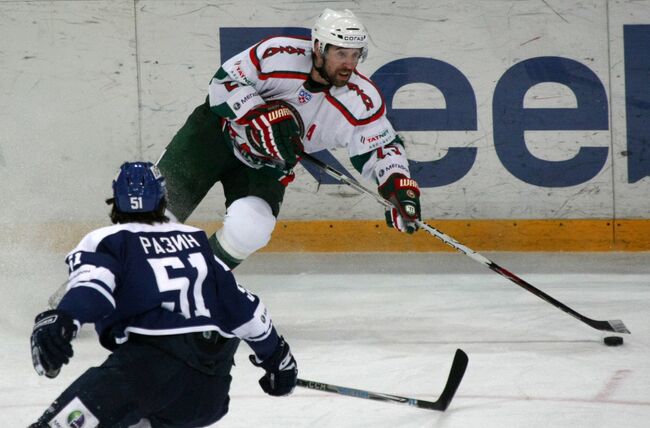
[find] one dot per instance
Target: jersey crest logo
(367, 101)
(304, 97)
(291, 50)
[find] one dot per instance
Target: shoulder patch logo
(367, 101)
(304, 97)
(291, 50)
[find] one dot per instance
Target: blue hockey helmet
(138, 188)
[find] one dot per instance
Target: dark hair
(157, 216)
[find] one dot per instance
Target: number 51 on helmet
(138, 188)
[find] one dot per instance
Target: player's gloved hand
(404, 194)
(281, 371)
(274, 134)
(51, 337)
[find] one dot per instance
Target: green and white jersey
(352, 116)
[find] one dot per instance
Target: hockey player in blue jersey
(169, 311)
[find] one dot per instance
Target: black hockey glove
(51, 337)
(281, 371)
(274, 134)
(404, 194)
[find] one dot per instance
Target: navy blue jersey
(160, 279)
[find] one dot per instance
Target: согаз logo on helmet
(354, 38)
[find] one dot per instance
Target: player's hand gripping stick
(281, 371)
(274, 134)
(403, 192)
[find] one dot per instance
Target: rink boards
(375, 236)
(527, 123)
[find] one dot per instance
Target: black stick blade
(458, 367)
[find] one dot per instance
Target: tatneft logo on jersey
(241, 73)
(374, 138)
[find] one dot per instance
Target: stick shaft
(353, 392)
(56, 297)
(611, 325)
(456, 373)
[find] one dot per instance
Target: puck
(613, 341)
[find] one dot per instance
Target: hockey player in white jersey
(265, 106)
(169, 311)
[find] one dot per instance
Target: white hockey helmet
(341, 29)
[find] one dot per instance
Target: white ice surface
(390, 323)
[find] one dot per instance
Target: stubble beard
(331, 78)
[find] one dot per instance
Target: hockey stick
(611, 325)
(456, 373)
(56, 297)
